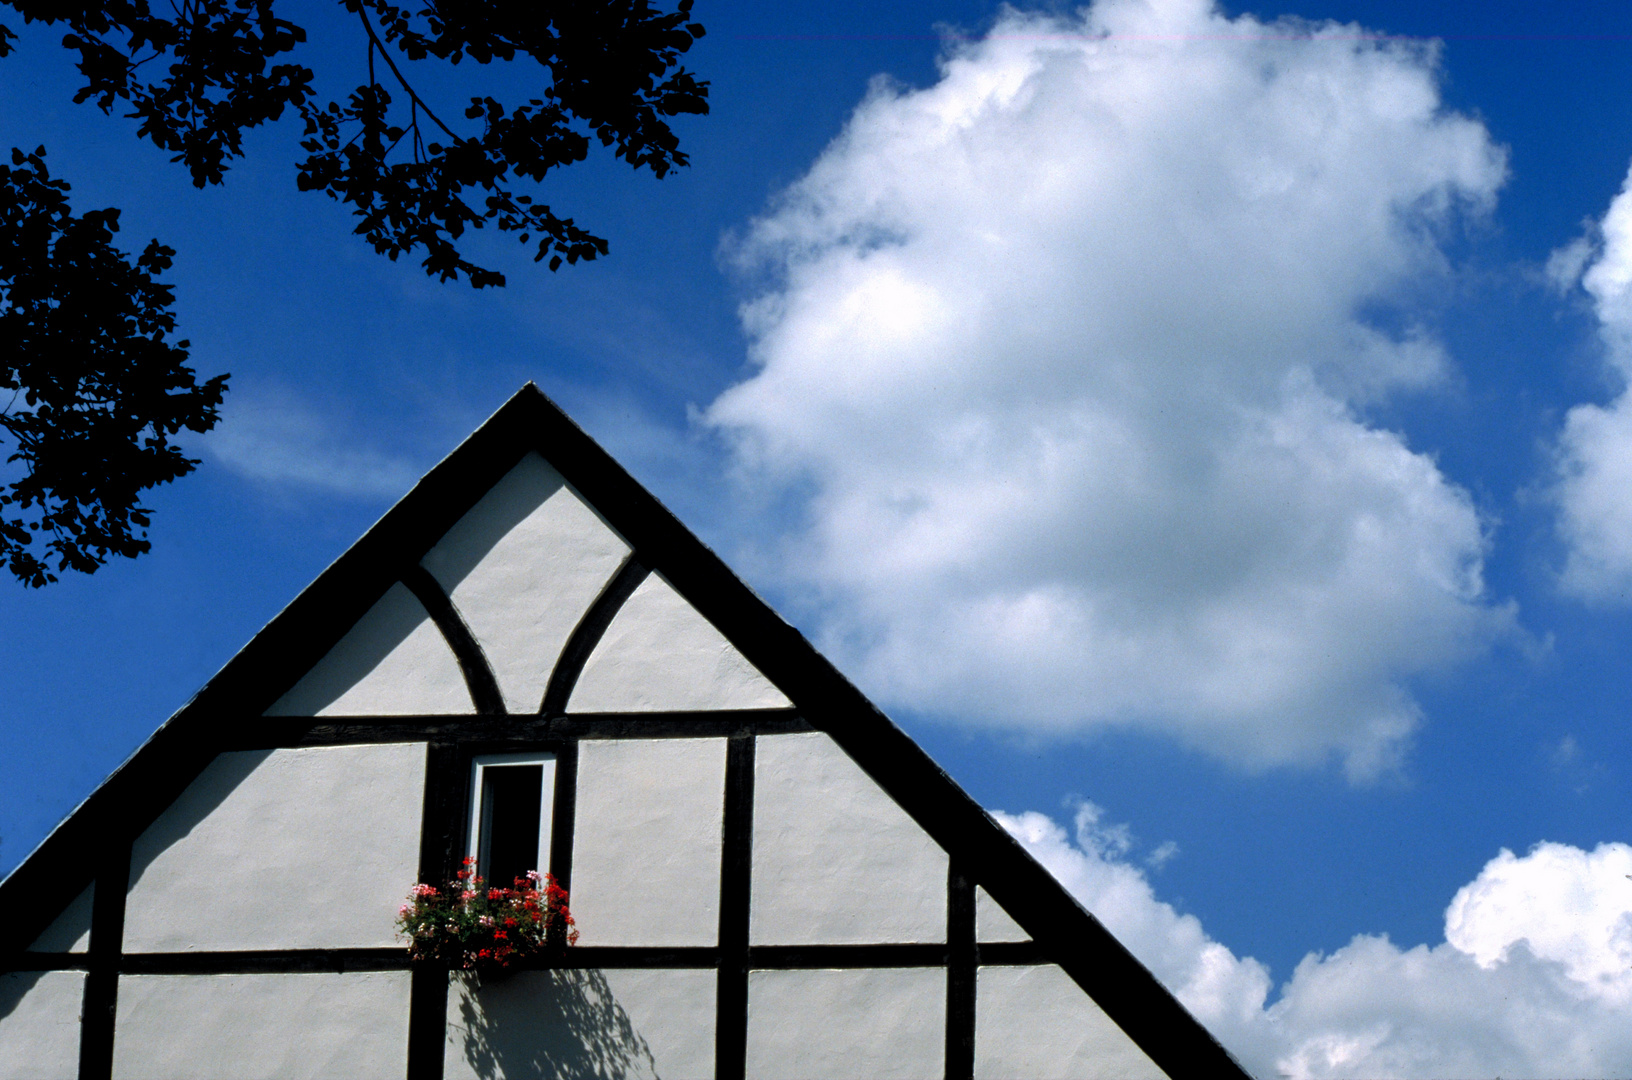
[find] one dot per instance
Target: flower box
(472, 926)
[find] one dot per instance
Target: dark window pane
(511, 797)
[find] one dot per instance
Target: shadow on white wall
(545, 1024)
(14, 986)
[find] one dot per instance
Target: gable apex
(521, 567)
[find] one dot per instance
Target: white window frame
(546, 808)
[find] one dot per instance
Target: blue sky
(1055, 447)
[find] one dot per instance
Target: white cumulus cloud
(1062, 358)
(1533, 978)
(1594, 453)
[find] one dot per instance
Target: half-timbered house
(530, 661)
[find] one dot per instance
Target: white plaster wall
(39, 1024)
(660, 654)
(289, 1027)
(879, 1023)
(281, 849)
(992, 923)
(522, 566)
(572, 1024)
(1034, 1023)
(646, 851)
(394, 661)
(69, 932)
(835, 858)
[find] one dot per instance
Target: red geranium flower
(474, 927)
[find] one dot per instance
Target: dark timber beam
(479, 678)
(270, 732)
(587, 634)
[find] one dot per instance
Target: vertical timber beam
(441, 818)
(736, 875)
(563, 823)
(961, 959)
(101, 999)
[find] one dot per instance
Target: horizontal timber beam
(760, 958)
(270, 732)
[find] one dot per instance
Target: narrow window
(510, 828)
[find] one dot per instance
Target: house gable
(834, 887)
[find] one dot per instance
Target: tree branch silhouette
(196, 76)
